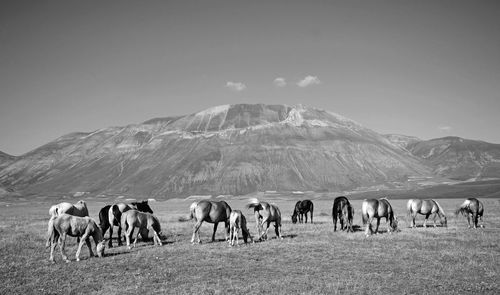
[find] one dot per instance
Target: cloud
(308, 81)
(236, 86)
(279, 82)
(444, 128)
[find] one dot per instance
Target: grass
(312, 259)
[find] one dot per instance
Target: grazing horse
(110, 216)
(238, 221)
(144, 222)
(211, 212)
(373, 208)
(77, 209)
(83, 227)
(427, 208)
(266, 213)
(472, 207)
(301, 209)
(344, 212)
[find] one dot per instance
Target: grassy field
(311, 259)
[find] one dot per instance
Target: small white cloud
(279, 82)
(308, 81)
(444, 128)
(236, 86)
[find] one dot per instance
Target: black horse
(301, 209)
(110, 215)
(472, 207)
(344, 212)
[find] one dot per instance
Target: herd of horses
(73, 220)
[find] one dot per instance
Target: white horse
(77, 209)
(237, 221)
(84, 227)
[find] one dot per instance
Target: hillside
(459, 158)
(233, 149)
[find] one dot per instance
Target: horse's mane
(440, 208)
(464, 208)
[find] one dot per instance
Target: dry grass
(312, 259)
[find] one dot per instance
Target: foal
(238, 221)
(144, 222)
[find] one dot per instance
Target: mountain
(231, 149)
(5, 159)
(402, 140)
(458, 158)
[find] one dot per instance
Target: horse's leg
(334, 223)
(136, 235)
(80, 245)
(369, 230)
(128, 236)
(156, 237)
(226, 225)
(434, 220)
(62, 243)
(305, 214)
(312, 216)
(378, 224)
(110, 243)
(54, 242)
(120, 235)
(277, 230)
(468, 219)
(196, 227)
(216, 224)
(474, 220)
(425, 220)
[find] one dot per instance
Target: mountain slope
(459, 158)
(233, 149)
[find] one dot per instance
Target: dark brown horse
(301, 209)
(266, 213)
(110, 215)
(344, 212)
(211, 212)
(373, 208)
(427, 208)
(472, 208)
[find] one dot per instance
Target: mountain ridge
(230, 149)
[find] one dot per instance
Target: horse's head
(394, 224)
(294, 218)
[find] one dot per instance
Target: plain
(311, 259)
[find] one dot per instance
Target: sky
(420, 68)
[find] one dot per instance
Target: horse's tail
(53, 210)
(463, 209)
(409, 209)
(123, 222)
(50, 231)
(364, 212)
(191, 213)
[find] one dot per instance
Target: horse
(77, 209)
(84, 227)
(211, 212)
(110, 216)
(238, 221)
(373, 208)
(344, 212)
(144, 222)
(427, 208)
(266, 213)
(472, 207)
(301, 209)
